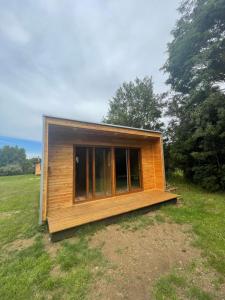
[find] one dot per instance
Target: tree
(198, 142)
(196, 65)
(196, 53)
(12, 155)
(136, 105)
(13, 161)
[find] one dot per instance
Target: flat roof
(103, 124)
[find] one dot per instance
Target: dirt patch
(19, 244)
(207, 279)
(139, 258)
(57, 272)
(50, 247)
(8, 214)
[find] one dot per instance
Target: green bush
(11, 169)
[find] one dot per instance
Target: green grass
(78, 255)
(135, 221)
(165, 287)
(173, 285)
(19, 207)
(27, 273)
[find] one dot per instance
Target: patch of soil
(50, 247)
(139, 258)
(8, 214)
(205, 277)
(57, 272)
(19, 244)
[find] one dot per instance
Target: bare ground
(19, 244)
(51, 248)
(137, 259)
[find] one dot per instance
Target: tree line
(13, 161)
(194, 138)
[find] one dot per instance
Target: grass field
(32, 267)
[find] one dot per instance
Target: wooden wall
(60, 162)
(157, 149)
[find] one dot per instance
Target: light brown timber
(100, 209)
(60, 140)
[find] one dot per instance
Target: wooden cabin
(94, 171)
(38, 168)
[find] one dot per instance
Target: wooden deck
(91, 211)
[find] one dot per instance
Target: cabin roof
(101, 126)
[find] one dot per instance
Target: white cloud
(13, 29)
(67, 58)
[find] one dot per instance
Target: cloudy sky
(67, 58)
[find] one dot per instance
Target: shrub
(11, 169)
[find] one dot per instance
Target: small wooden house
(93, 171)
(38, 168)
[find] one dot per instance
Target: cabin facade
(93, 171)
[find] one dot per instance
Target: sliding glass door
(93, 172)
(80, 171)
(99, 173)
(103, 172)
(135, 169)
(127, 163)
(121, 162)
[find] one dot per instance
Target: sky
(67, 58)
(33, 148)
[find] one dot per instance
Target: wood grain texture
(158, 165)
(45, 172)
(102, 127)
(100, 209)
(60, 139)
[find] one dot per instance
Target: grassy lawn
(28, 269)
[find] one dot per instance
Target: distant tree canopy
(136, 105)
(12, 155)
(196, 67)
(13, 161)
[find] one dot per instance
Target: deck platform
(91, 211)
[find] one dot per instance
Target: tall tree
(136, 105)
(196, 66)
(196, 53)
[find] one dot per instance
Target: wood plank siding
(60, 138)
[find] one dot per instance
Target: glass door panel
(135, 169)
(108, 172)
(99, 172)
(80, 165)
(121, 170)
(90, 172)
(103, 172)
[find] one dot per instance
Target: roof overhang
(102, 127)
